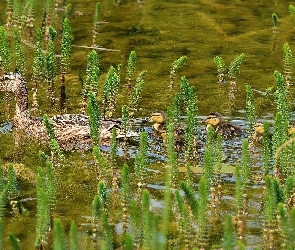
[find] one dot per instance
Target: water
(160, 32)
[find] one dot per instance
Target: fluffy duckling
(72, 131)
(226, 130)
(257, 136)
(159, 119)
(291, 129)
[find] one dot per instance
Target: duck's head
(213, 119)
(259, 128)
(291, 129)
(158, 117)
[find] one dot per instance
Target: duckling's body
(226, 130)
(71, 130)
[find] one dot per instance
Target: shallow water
(160, 32)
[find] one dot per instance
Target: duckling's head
(158, 117)
(291, 129)
(213, 119)
(259, 128)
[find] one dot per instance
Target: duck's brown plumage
(226, 130)
(71, 130)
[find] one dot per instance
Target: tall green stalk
(96, 22)
(250, 108)
(5, 51)
(221, 68)
(174, 69)
(288, 63)
(131, 67)
(59, 239)
(140, 163)
(94, 117)
(229, 236)
(74, 241)
(19, 56)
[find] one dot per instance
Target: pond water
(160, 32)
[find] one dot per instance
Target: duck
(72, 131)
(257, 136)
(291, 129)
(226, 130)
(159, 119)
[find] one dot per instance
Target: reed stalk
(175, 68)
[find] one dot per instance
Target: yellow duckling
(291, 129)
(159, 119)
(258, 133)
(72, 131)
(226, 130)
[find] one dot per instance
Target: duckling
(257, 136)
(226, 130)
(72, 131)
(291, 129)
(159, 119)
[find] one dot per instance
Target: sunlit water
(160, 32)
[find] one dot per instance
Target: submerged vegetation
(202, 201)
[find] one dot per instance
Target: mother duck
(71, 130)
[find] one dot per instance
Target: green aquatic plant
(140, 163)
(288, 63)
(29, 16)
(37, 68)
(92, 78)
(94, 117)
(234, 68)
(135, 217)
(174, 69)
(17, 13)
(221, 68)
(190, 197)
(134, 96)
(239, 197)
(50, 70)
(131, 68)
(14, 242)
(96, 22)
(110, 91)
(267, 165)
(146, 220)
(128, 242)
(250, 108)
(9, 9)
(203, 217)
(19, 56)
(281, 96)
(59, 239)
(107, 237)
(74, 240)
(65, 52)
(125, 194)
(275, 21)
(229, 237)
(11, 190)
(292, 10)
(5, 51)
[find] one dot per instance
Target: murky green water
(160, 32)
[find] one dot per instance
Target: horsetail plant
(234, 68)
(12, 190)
(135, 216)
(59, 239)
(266, 150)
(292, 10)
(50, 70)
(135, 94)
(281, 96)
(19, 56)
(17, 13)
(5, 51)
(110, 91)
(125, 194)
(283, 225)
(275, 21)
(97, 17)
(190, 197)
(101, 164)
(288, 63)
(14, 242)
(65, 57)
(174, 69)
(229, 236)
(30, 11)
(93, 113)
(92, 77)
(146, 220)
(9, 9)
(74, 242)
(140, 163)
(131, 68)
(128, 242)
(250, 108)
(221, 68)
(37, 69)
